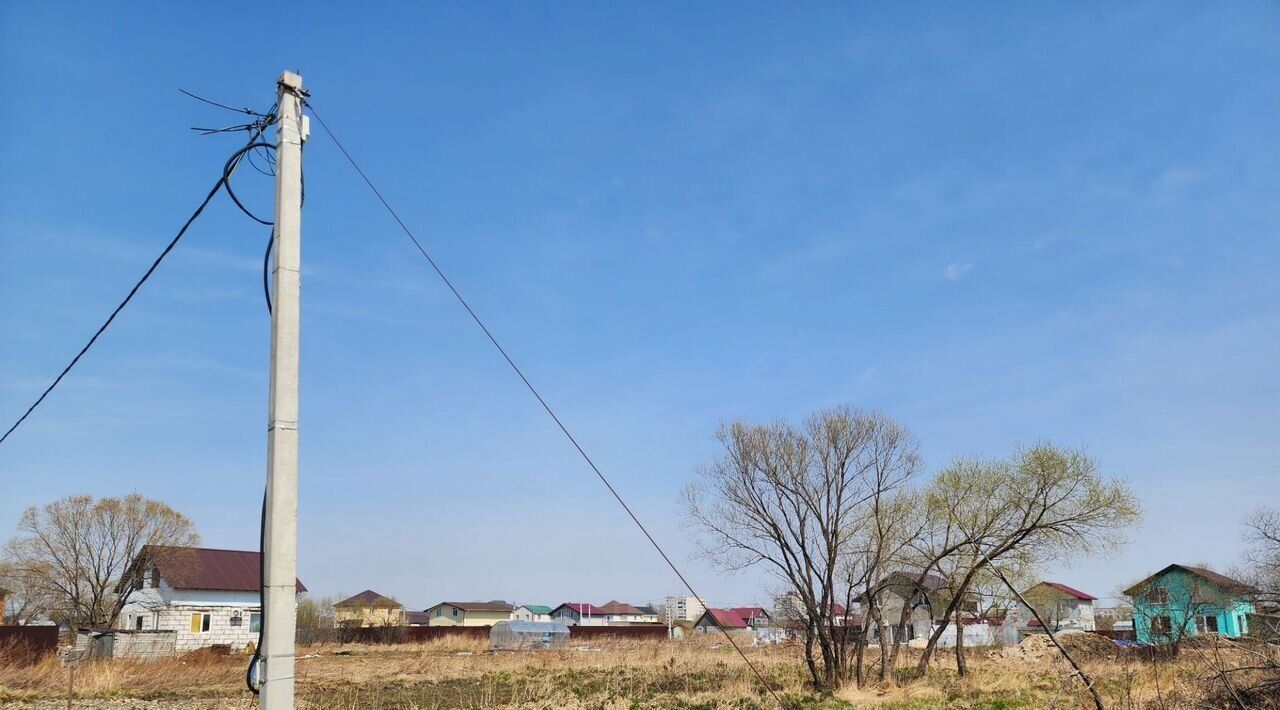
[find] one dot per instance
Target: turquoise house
(1181, 601)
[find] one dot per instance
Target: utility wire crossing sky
(998, 226)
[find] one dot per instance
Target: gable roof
(896, 581)
(204, 568)
(747, 613)
(1221, 581)
(1072, 591)
(477, 606)
(582, 609)
(536, 608)
(370, 598)
(723, 617)
(930, 582)
(617, 607)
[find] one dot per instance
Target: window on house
(1161, 625)
(137, 622)
(1208, 623)
(438, 613)
(200, 622)
(455, 612)
(255, 623)
(1158, 595)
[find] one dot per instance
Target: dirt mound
(1035, 647)
(1090, 646)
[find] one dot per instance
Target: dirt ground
(632, 675)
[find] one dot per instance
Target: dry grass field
(461, 673)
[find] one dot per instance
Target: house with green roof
(532, 612)
(1181, 601)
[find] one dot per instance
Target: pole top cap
(290, 80)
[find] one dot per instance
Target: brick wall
(221, 631)
(124, 644)
(144, 644)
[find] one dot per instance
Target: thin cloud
(955, 272)
(1170, 184)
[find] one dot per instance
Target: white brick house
(207, 597)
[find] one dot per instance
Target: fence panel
(27, 644)
(424, 634)
(657, 632)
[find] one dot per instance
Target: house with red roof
(712, 620)
(1062, 607)
(754, 616)
(206, 597)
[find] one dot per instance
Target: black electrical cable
(226, 175)
(250, 673)
(533, 390)
(229, 108)
(254, 164)
(222, 182)
(266, 269)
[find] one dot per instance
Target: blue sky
(997, 225)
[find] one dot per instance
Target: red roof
(750, 612)
(1072, 591)
(725, 618)
(208, 569)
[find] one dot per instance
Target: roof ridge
(196, 547)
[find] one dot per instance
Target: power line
(223, 181)
(534, 391)
(211, 102)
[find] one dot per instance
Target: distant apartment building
(684, 608)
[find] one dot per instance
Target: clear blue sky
(997, 225)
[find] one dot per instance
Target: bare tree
(881, 545)
(25, 600)
(1044, 503)
(77, 549)
(1262, 533)
(797, 499)
(315, 619)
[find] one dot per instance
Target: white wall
(166, 609)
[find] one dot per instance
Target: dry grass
(457, 672)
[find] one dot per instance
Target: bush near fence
(424, 634)
(27, 644)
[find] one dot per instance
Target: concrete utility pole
(281, 548)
